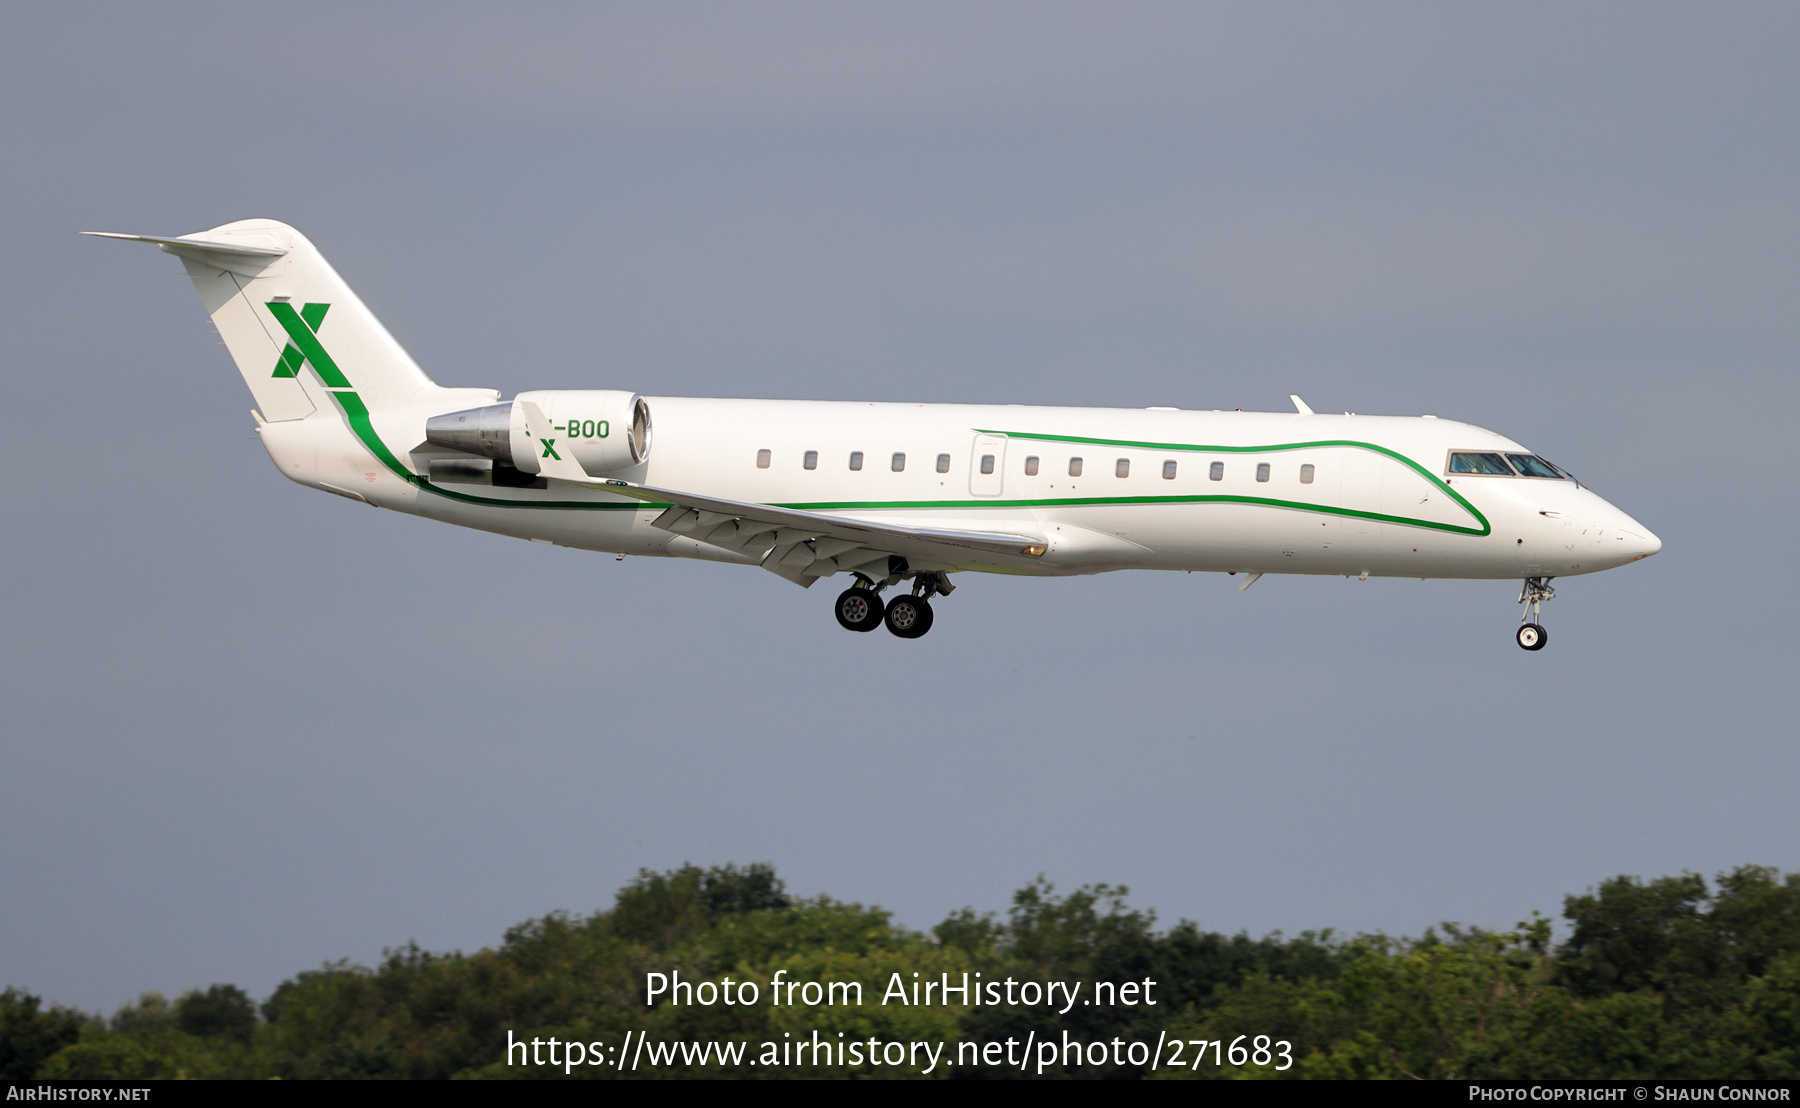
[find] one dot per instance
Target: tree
(113, 1057)
(222, 1011)
(150, 1012)
(29, 1037)
(661, 909)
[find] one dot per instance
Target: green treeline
(1668, 978)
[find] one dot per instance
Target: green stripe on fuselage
(1484, 529)
(300, 328)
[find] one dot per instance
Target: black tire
(1532, 637)
(859, 610)
(908, 616)
(930, 616)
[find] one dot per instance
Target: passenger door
(987, 465)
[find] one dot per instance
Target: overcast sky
(249, 728)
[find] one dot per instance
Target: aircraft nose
(1618, 539)
(1633, 541)
(1639, 542)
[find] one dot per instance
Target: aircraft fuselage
(1203, 491)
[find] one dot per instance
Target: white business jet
(888, 494)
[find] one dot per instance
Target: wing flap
(840, 541)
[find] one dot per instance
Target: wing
(801, 545)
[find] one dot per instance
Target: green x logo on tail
(550, 449)
(303, 343)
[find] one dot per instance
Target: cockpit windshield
(1561, 472)
(1490, 464)
(1533, 466)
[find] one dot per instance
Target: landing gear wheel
(859, 610)
(1533, 591)
(909, 616)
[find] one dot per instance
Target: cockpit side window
(1490, 464)
(1533, 466)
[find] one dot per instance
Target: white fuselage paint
(1095, 522)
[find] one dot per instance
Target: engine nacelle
(605, 430)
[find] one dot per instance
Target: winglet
(554, 461)
(1300, 405)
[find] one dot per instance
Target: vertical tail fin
(291, 323)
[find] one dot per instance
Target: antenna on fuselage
(1300, 405)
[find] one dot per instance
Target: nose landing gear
(1532, 594)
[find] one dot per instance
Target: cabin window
(1306, 474)
(1031, 466)
(1217, 472)
(1262, 471)
(899, 463)
(762, 459)
(987, 463)
(1533, 466)
(1491, 464)
(943, 463)
(856, 459)
(1122, 468)
(1074, 467)
(812, 459)
(1169, 470)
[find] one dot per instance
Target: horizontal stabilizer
(192, 245)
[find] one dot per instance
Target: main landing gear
(1532, 594)
(860, 608)
(909, 617)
